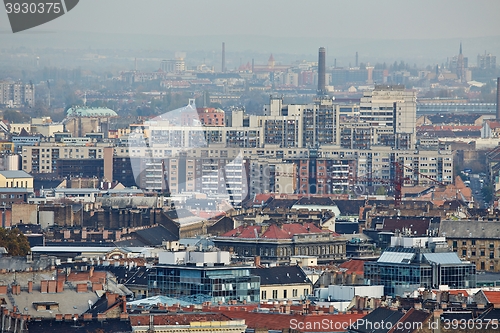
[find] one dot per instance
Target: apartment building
(15, 94)
(45, 157)
(387, 118)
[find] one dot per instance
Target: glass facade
(200, 284)
(403, 275)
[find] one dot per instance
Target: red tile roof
(458, 292)
(260, 198)
(493, 297)
(284, 231)
(353, 266)
(274, 232)
(243, 231)
(302, 323)
(176, 319)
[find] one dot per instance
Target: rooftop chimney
(321, 71)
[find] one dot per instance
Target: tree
(488, 193)
(14, 241)
(14, 116)
(381, 190)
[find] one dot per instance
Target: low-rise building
(283, 283)
(476, 241)
(277, 243)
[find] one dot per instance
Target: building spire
(460, 48)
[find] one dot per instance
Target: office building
(428, 264)
(198, 284)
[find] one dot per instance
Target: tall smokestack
(223, 57)
(321, 71)
(498, 98)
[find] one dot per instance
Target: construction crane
(398, 181)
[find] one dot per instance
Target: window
(306, 292)
(275, 294)
(285, 293)
(492, 255)
(473, 242)
(482, 253)
(264, 295)
(464, 253)
(294, 292)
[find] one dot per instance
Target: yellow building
(6, 146)
(283, 283)
(15, 179)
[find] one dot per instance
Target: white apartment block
(14, 94)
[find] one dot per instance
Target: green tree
(381, 190)
(14, 116)
(488, 193)
(14, 241)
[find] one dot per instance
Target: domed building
(81, 120)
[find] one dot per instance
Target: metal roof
(443, 258)
(91, 112)
(154, 300)
(396, 257)
(15, 174)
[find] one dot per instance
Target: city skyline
(381, 31)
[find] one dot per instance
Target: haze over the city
(419, 32)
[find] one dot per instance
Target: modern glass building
(198, 284)
(402, 269)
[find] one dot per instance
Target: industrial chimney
(498, 98)
(321, 71)
(223, 57)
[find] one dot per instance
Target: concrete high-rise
(321, 71)
(498, 98)
(390, 112)
(223, 57)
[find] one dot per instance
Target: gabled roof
(418, 226)
(349, 207)
(388, 316)
(407, 323)
(154, 236)
(470, 229)
(492, 297)
(353, 266)
(276, 321)
(281, 203)
(174, 319)
(281, 275)
(307, 201)
(273, 231)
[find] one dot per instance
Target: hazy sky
(381, 19)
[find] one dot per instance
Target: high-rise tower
(321, 71)
(498, 98)
(223, 57)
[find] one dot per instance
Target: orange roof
(278, 321)
(493, 124)
(458, 292)
(493, 297)
(353, 266)
(284, 231)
